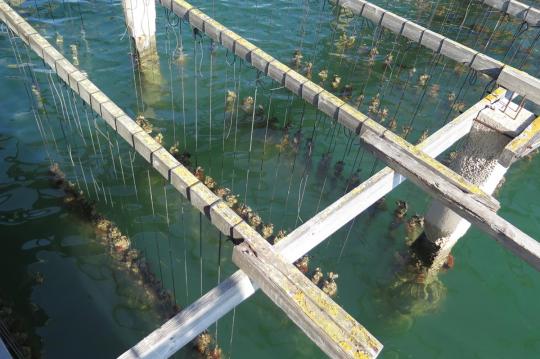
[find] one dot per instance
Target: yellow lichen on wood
(525, 137)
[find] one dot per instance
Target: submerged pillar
(141, 25)
(478, 162)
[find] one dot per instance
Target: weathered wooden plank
(526, 142)
(507, 76)
(317, 319)
(522, 11)
(338, 334)
(187, 324)
(520, 82)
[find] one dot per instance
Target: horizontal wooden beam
(526, 142)
(186, 325)
(336, 332)
(507, 76)
(522, 11)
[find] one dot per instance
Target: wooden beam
(522, 11)
(336, 332)
(187, 324)
(507, 76)
(526, 142)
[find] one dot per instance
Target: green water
(74, 300)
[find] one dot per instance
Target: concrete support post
(477, 161)
(141, 24)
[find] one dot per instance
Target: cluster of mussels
(13, 333)
(266, 230)
(206, 346)
(328, 285)
(128, 258)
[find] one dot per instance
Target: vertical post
(141, 24)
(478, 162)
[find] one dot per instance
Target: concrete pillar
(141, 25)
(477, 161)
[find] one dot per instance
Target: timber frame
(270, 267)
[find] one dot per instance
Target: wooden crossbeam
(186, 325)
(326, 323)
(507, 76)
(527, 13)
(522, 145)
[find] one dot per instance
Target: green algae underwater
(65, 294)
